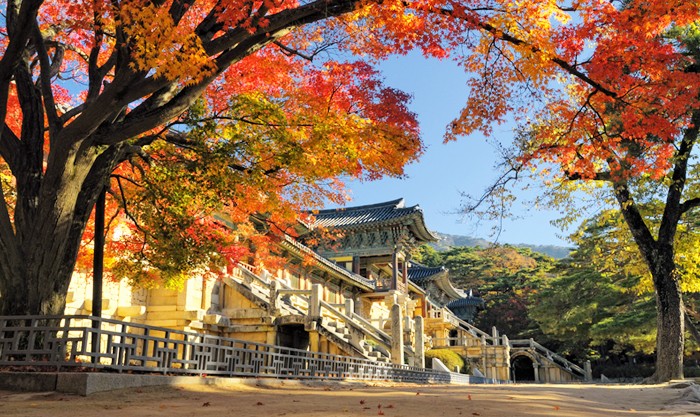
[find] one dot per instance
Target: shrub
(624, 371)
(691, 372)
(450, 358)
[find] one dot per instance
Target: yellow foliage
(158, 45)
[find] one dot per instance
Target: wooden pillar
(356, 264)
(394, 270)
(314, 341)
(98, 254)
(97, 269)
(405, 274)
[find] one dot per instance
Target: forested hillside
(448, 241)
(582, 306)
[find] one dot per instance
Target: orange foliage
(286, 111)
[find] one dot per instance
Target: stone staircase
(350, 332)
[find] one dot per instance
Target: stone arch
(292, 335)
(524, 366)
(291, 332)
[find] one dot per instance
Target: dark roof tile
(380, 213)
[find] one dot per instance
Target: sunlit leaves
(172, 51)
(227, 189)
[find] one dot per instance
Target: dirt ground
(330, 400)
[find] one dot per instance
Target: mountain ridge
(447, 241)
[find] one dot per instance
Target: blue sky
(446, 170)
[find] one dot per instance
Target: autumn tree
(93, 90)
(86, 85)
(625, 109)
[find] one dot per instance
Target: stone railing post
(419, 349)
(494, 334)
(315, 300)
(588, 371)
(396, 335)
(349, 307)
(274, 293)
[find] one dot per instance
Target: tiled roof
(420, 273)
(467, 301)
(374, 214)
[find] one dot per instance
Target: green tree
(504, 276)
(604, 292)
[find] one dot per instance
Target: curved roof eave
(384, 214)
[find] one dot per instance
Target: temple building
(359, 295)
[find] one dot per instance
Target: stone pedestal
(419, 360)
(396, 335)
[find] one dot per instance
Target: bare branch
(497, 33)
(45, 74)
(291, 51)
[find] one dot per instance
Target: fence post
(494, 334)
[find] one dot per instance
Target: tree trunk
(36, 295)
(669, 323)
(47, 236)
(659, 255)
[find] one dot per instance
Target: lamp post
(97, 269)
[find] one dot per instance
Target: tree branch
(635, 221)
(9, 146)
(19, 26)
(689, 205)
(470, 17)
(45, 74)
(291, 51)
(673, 208)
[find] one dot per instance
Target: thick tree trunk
(37, 295)
(47, 236)
(659, 255)
(669, 323)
